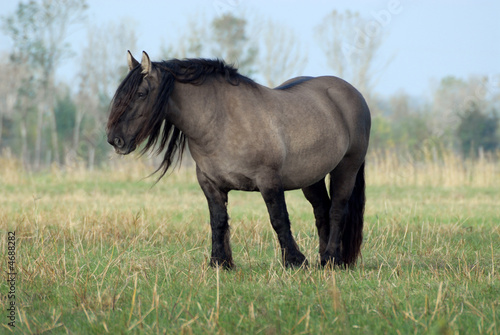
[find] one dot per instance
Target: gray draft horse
(244, 136)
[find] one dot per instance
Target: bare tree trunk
(91, 157)
(48, 157)
(38, 140)
(55, 141)
(1, 128)
(24, 143)
(76, 130)
(50, 104)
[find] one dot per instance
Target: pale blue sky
(426, 40)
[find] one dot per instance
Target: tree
(231, 42)
(227, 39)
(477, 131)
(39, 31)
(16, 104)
(192, 43)
(65, 111)
(381, 134)
(451, 101)
(9, 90)
(103, 65)
(409, 123)
(351, 47)
(281, 55)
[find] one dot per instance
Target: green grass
(104, 252)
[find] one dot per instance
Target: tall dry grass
(431, 168)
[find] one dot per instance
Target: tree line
(45, 120)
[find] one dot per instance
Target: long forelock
(124, 94)
(152, 130)
(160, 135)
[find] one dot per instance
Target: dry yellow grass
(389, 168)
(383, 168)
(105, 252)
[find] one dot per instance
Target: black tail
(352, 221)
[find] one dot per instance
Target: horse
(248, 137)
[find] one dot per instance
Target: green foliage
(478, 130)
(381, 133)
(65, 111)
(407, 134)
(412, 131)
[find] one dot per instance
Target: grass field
(105, 252)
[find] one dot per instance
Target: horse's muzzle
(120, 146)
(118, 142)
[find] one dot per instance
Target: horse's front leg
(274, 196)
(217, 205)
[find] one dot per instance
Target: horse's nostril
(118, 142)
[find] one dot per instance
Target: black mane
(156, 130)
(197, 70)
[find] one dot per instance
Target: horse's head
(133, 106)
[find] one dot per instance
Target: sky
(424, 40)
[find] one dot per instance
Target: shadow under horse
(245, 136)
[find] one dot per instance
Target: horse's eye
(141, 94)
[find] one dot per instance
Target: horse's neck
(196, 109)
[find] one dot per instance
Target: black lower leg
(221, 251)
(342, 181)
(317, 195)
(333, 253)
(217, 204)
(276, 206)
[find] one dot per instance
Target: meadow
(105, 251)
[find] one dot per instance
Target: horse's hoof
(328, 260)
(296, 261)
(224, 263)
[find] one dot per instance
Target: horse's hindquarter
(320, 121)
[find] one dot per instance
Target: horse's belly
(305, 171)
(311, 156)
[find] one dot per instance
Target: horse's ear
(145, 64)
(132, 62)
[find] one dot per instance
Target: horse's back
(293, 82)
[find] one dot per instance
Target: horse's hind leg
(346, 213)
(272, 191)
(217, 205)
(317, 195)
